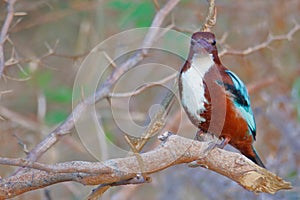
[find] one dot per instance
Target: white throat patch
(193, 98)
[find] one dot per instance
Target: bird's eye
(213, 42)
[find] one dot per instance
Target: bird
(215, 99)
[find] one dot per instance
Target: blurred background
(52, 39)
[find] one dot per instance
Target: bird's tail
(256, 159)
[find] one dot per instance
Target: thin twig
(270, 39)
(153, 32)
(97, 192)
(158, 121)
(19, 119)
(143, 87)
(211, 18)
(156, 4)
(4, 31)
(103, 91)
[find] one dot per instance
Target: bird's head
(203, 43)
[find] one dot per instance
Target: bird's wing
(241, 100)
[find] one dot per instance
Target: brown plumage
(215, 99)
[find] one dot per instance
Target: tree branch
(19, 119)
(288, 36)
(103, 91)
(4, 31)
(173, 150)
(211, 18)
(143, 87)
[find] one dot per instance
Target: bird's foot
(211, 145)
(214, 144)
(211, 141)
(203, 136)
(197, 163)
(209, 138)
(224, 142)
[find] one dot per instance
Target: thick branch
(175, 150)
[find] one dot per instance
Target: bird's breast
(192, 94)
(193, 87)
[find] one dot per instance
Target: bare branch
(19, 119)
(139, 179)
(211, 18)
(173, 151)
(70, 167)
(103, 91)
(270, 39)
(158, 121)
(143, 87)
(156, 4)
(4, 31)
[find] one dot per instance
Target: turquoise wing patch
(242, 101)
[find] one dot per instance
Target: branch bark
(173, 151)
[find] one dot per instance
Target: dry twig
(211, 18)
(103, 91)
(19, 119)
(4, 32)
(143, 87)
(270, 39)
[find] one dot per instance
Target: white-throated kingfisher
(215, 99)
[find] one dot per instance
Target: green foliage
(119, 4)
(24, 73)
(296, 95)
(59, 95)
(63, 5)
(43, 79)
(55, 116)
(139, 13)
(109, 136)
(38, 78)
(292, 174)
